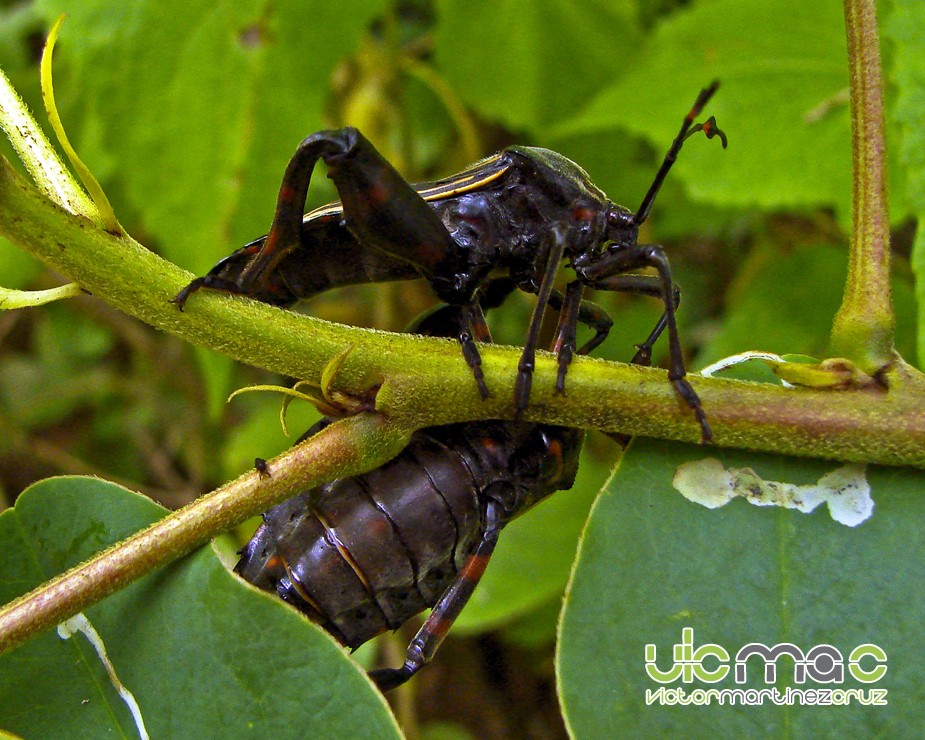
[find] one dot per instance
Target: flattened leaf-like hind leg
(451, 603)
(286, 228)
(260, 258)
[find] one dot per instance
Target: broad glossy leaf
(527, 65)
(203, 654)
(652, 563)
(781, 101)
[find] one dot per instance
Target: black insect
(363, 555)
(497, 217)
(262, 468)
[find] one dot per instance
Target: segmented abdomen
(363, 555)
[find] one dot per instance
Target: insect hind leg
(425, 643)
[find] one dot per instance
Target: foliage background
(188, 112)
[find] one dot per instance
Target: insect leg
(641, 285)
(605, 275)
(290, 203)
(214, 278)
(567, 330)
(474, 328)
(643, 354)
(381, 210)
(428, 639)
(573, 310)
(528, 357)
(595, 317)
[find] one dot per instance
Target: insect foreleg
(605, 274)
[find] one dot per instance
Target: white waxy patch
(845, 490)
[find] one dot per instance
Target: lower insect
(363, 555)
(437, 510)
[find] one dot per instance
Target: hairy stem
(864, 325)
(346, 448)
(861, 424)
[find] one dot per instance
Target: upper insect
(519, 213)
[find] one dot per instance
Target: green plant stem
(864, 325)
(346, 448)
(860, 424)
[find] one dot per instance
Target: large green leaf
(203, 654)
(529, 64)
(206, 101)
(784, 75)
(767, 307)
(652, 563)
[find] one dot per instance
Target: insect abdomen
(363, 555)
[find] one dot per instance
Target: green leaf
(207, 101)
(768, 306)
(652, 563)
(905, 27)
(203, 654)
(527, 65)
(782, 64)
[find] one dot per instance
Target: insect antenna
(688, 129)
